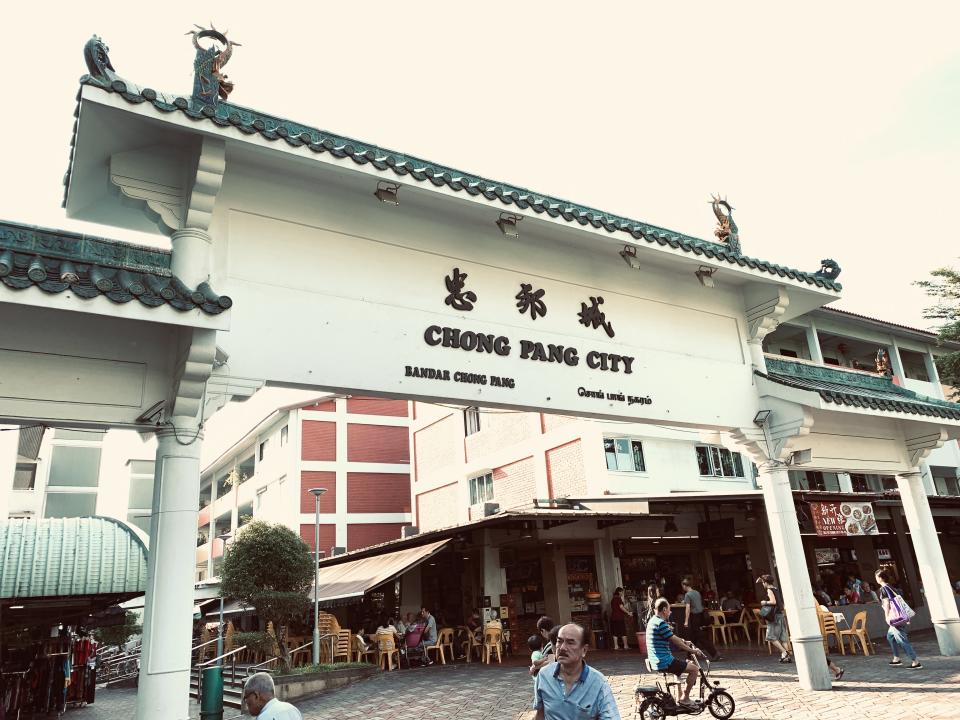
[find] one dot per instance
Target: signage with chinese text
(843, 519)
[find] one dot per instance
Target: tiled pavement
(762, 688)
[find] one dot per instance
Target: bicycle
(655, 702)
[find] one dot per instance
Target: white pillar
(608, 568)
(164, 687)
(794, 578)
(933, 572)
(813, 344)
(494, 576)
(896, 363)
(933, 375)
(9, 441)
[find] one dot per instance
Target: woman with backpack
(773, 612)
(897, 620)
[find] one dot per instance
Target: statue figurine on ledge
(883, 363)
(829, 270)
(210, 85)
(727, 231)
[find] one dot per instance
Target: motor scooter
(655, 702)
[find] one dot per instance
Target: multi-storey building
(262, 457)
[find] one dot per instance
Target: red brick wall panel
(328, 536)
(565, 472)
(378, 493)
(328, 501)
(361, 535)
(319, 441)
(438, 507)
(514, 484)
(378, 444)
(323, 406)
(377, 406)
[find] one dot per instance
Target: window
(719, 462)
(89, 435)
(141, 485)
(263, 449)
(471, 420)
(788, 353)
(70, 504)
(25, 476)
(624, 454)
(946, 485)
(284, 435)
(74, 466)
(481, 489)
(870, 483)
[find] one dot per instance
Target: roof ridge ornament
(829, 270)
(726, 231)
(210, 84)
(97, 56)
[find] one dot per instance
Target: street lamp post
(223, 538)
(316, 492)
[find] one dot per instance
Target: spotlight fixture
(387, 193)
(705, 276)
(629, 255)
(508, 224)
(670, 526)
(760, 419)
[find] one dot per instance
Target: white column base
(948, 636)
(811, 663)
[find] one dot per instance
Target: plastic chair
(828, 628)
(444, 640)
(858, 631)
(718, 626)
(761, 629)
(743, 623)
(363, 651)
(492, 642)
(387, 648)
(343, 646)
(472, 645)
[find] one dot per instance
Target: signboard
(827, 556)
(843, 519)
(884, 554)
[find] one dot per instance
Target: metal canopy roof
(70, 557)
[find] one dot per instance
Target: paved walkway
(763, 690)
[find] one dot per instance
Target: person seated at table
(731, 605)
(851, 596)
(867, 595)
(822, 596)
(387, 626)
(493, 623)
(408, 623)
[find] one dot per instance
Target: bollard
(211, 699)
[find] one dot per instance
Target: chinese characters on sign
(594, 317)
(836, 519)
(528, 299)
(458, 299)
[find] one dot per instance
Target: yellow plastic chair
(387, 648)
(444, 640)
(858, 632)
(492, 641)
(718, 626)
(743, 624)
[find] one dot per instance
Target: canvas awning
(357, 577)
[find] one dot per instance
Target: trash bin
(211, 697)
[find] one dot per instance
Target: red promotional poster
(833, 519)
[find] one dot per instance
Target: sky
(832, 128)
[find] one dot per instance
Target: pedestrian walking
(897, 620)
(776, 617)
(259, 697)
(693, 621)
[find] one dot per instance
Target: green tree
(118, 635)
(945, 286)
(270, 568)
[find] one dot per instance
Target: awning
(357, 577)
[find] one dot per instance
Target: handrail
(252, 668)
(221, 657)
(208, 642)
(112, 660)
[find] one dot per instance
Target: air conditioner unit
(490, 508)
(410, 531)
(337, 550)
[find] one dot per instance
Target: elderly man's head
(571, 645)
(258, 690)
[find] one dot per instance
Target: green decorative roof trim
(876, 392)
(56, 261)
(270, 127)
(74, 556)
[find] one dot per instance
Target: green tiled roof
(56, 261)
(875, 392)
(273, 128)
(74, 556)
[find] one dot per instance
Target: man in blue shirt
(569, 689)
(660, 638)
